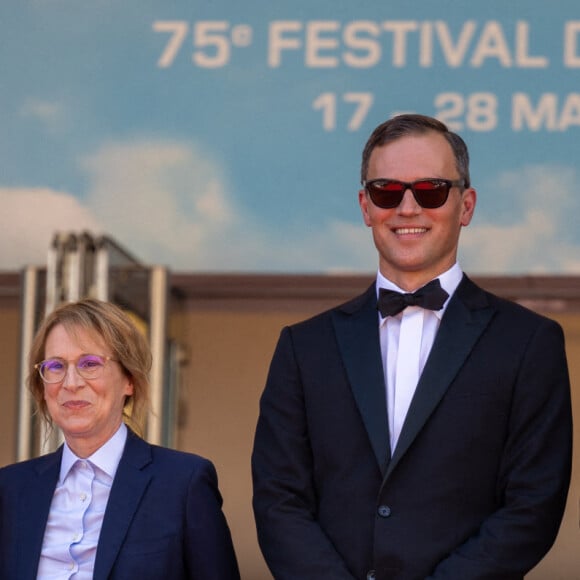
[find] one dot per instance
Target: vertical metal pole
(24, 439)
(157, 330)
(73, 271)
(102, 272)
(54, 292)
(53, 274)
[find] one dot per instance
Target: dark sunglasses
(429, 193)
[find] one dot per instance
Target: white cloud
(50, 114)
(165, 201)
(535, 236)
(170, 203)
(28, 222)
(335, 246)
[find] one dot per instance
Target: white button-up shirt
(77, 511)
(389, 330)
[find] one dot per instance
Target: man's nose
(408, 203)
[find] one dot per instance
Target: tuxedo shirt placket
(407, 368)
(401, 345)
(406, 340)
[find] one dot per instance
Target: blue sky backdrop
(215, 135)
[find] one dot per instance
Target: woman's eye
(89, 363)
(54, 366)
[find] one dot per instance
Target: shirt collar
(449, 281)
(106, 457)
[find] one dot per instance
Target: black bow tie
(431, 296)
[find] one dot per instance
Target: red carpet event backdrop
(213, 135)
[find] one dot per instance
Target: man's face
(416, 244)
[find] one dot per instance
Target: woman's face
(88, 411)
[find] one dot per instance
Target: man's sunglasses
(429, 193)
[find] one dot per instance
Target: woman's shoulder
(166, 457)
(179, 457)
(22, 470)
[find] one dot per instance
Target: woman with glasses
(106, 504)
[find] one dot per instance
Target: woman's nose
(72, 378)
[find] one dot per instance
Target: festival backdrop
(219, 135)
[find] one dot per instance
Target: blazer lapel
(128, 488)
(35, 500)
(465, 318)
(357, 333)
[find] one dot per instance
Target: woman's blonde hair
(109, 324)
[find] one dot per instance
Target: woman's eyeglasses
(429, 193)
(88, 366)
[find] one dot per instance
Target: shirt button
(71, 565)
(384, 511)
(371, 575)
(83, 496)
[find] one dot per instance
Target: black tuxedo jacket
(477, 484)
(163, 519)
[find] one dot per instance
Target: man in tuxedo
(423, 429)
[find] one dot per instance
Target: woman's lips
(75, 404)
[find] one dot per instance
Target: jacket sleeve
(209, 549)
(534, 473)
(285, 505)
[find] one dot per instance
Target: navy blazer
(477, 484)
(163, 519)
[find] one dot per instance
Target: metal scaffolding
(86, 266)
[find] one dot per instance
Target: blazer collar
(129, 485)
(465, 318)
(357, 331)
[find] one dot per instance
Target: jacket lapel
(129, 485)
(465, 318)
(357, 333)
(35, 500)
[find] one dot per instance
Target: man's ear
(363, 201)
(469, 200)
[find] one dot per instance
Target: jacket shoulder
(506, 309)
(24, 468)
(142, 453)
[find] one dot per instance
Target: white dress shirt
(389, 330)
(77, 511)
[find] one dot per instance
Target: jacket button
(371, 575)
(384, 511)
